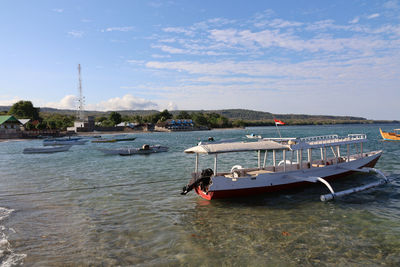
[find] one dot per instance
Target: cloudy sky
(303, 57)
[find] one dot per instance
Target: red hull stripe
(260, 190)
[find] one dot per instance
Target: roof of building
(24, 121)
(8, 118)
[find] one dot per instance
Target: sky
(299, 57)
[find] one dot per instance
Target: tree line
(211, 119)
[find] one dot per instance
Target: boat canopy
(236, 147)
(396, 129)
(327, 141)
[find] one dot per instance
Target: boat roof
(396, 129)
(327, 141)
(236, 147)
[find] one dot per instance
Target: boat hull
(41, 150)
(221, 187)
(64, 142)
(389, 136)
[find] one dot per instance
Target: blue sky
(302, 57)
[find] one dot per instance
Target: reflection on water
(152, 224)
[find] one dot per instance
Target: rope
(85, 188)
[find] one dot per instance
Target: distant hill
(233, 114)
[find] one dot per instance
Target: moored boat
(53, 149)
(245, 181)
(253, 136)
(145, 149)
(104, 140)
(56, 142)
(390, 136)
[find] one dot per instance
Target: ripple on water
(151, 224)
(7, 255)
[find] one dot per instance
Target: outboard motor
(203, 181)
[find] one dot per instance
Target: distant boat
(71, 141)
(145, 149)
(104, 140)
(390, 136)
(253, 136)
(53, 149)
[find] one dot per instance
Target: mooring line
(86, 188)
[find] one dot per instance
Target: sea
(85, 208)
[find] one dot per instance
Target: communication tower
(81, 100)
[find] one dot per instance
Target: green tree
(199, 119)
(183, 115)
(24, 109)
(164, 115)
(115, 117)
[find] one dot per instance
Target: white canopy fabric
(236, 147)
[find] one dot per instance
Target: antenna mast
(81, 98)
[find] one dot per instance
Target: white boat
(56, 142)
(309, 166)
(253, 136)
(145, 149)
(53, 149)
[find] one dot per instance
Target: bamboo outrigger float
(288, 173)
(390, 136)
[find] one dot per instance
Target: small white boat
(56, 142)
(53, 149)
(302, 171)
(253, 136)
(145, 149)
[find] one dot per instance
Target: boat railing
(328, 140)
(321, 138)
(357, 136)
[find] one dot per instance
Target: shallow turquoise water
(150, 223)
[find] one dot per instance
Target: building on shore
(175, 125)
(85, 125)
(10, 127)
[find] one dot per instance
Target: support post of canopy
(196, 168)
(325, 156)
(301, 159)
(348, 152)
(361, 150)
(309, 154)
(259, 158)
(357, 153)
(291, 158)
(215, 164)
(322, 154)
(274, 158)
(265, 158)
(284, 160)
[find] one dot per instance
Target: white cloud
(373, 16)
(170, 49)
(118, 29)
(8, 101)
(127, 102)
(58, 10)
(280, 23)
(76, 34)
(171, 106)
(355, 20)
(68, 102)
(178, 30)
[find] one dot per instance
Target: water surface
(149, 223)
